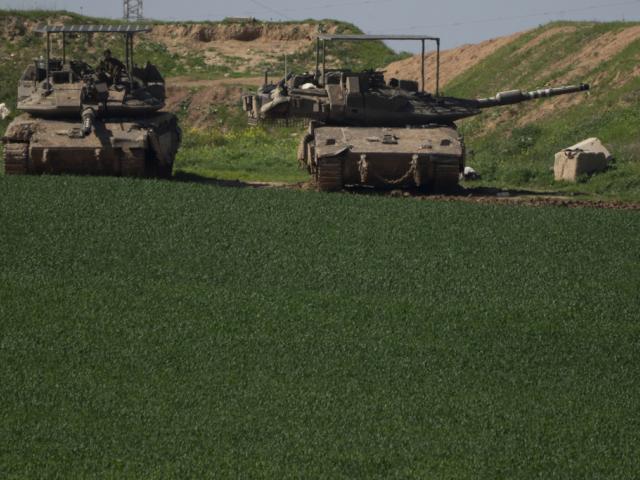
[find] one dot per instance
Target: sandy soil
(581, 64)
(242, 46)
(535, 42)
(468, 195)
(453, 62)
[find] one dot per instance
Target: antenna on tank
(285, 67)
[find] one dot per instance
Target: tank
(81, 119)
(365, 130)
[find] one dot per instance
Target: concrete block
(584, 158)
(4, 111)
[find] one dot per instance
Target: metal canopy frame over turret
(321, 50)
(127, 30)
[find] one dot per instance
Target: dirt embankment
(581, 65)
(242, 46)
(13, 28)
(201, 98)
(197, 34)
(453, 62)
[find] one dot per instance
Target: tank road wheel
(445, 177)
(16, 158)
(329, 174)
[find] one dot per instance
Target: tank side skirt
(129, 153)
(16, 158)
(329, 174)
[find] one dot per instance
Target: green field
(167, 329)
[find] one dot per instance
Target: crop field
(169, 329)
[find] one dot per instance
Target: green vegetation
(165, 329)
(45, 15)
(242, 154)
(522, 156)
(228, 149)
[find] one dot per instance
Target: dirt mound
(240, 46)
(538, 39)
(195, 34)
(14, 28)
(243, 46)
(453, 62)
(595, 52)
(200, 99)
(584, 61)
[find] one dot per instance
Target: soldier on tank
(111, 67)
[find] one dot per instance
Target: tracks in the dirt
(472, 195)
(477, 196)
(537, 201)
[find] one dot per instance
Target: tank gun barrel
(518, 96)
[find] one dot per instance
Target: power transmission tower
(132, 10)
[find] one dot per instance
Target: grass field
(254, 154)
(165, 329)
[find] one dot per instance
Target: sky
(456, 21)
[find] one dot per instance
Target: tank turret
(102, 119)
(365, 99)
(369, 131)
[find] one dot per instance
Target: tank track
(16, 158)
(156, 168)
(137, 160)
(329, 174)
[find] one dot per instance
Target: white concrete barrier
(584, 158)
(4, 111)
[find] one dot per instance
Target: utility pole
(132, 10)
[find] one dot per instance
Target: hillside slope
(203, 51)
(452, 62)
(515, 145)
